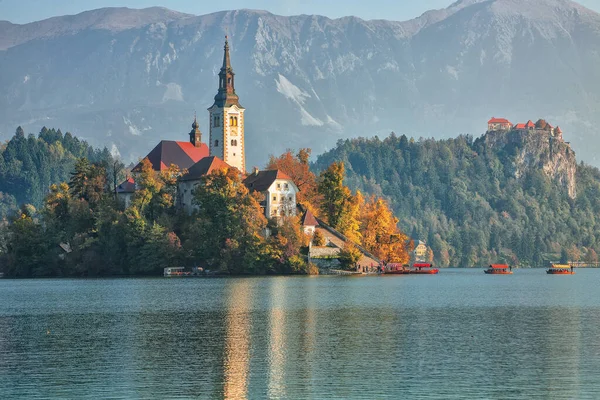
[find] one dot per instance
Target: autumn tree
(349, 224)
(318, 239)
(286, 242)
(88, 181)
(156, 192)
(380, 232)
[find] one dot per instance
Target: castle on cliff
(502, 124)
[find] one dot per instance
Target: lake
(460, 334)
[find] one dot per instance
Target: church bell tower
(226, 119)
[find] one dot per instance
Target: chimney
(255, 170)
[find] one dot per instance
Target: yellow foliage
(380, 233)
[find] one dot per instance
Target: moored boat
(499, 269)
(560, 269)
(423, 269)
(396, 269)
(176, 272)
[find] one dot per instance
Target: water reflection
(237, 338)
(301, 338)
(277, 339)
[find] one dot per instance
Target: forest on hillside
(29, 164)
(463, 200)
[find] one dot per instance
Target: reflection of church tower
(227, 119)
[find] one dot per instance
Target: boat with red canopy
(560, 269)
(396, 269)
(423, 269)
(499, 269)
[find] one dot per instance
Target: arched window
(233, 142)
(229, 80)
(216, 143)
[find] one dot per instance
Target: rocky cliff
(537, 149)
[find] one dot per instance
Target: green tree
(334, 193)
(230, 222)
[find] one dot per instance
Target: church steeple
(226, 119)
(195, 134)
(226, 96)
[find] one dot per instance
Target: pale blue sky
(22, 11)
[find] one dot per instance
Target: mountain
(508, 196)
(127, 78)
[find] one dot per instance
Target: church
(225, 149)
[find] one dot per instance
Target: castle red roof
(182, 154)
(520, 126)
(262, 180)
(530, 124)
(128, 186)
(499, 121)
(205, 167)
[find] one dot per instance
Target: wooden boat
(560, 269)
(423, 269)
(499, 269)
(396, 269)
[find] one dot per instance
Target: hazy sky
(22, 11)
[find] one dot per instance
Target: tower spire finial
(226, 94)
(226, 58)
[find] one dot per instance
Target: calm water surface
(461, 334)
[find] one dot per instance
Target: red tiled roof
(182, 154)
(498, 121)
(499, 266)
(128, 186)
(520, 126)
(309, 219)
(530, 124)
(262, 180)
(204, 167)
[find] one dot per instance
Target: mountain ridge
(314, 78)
